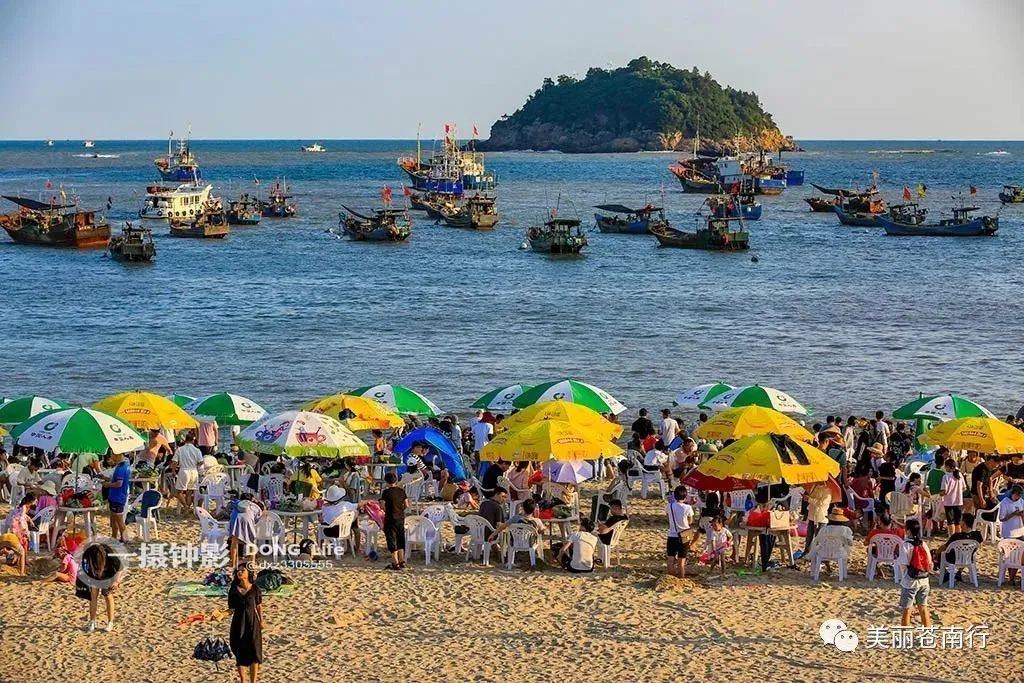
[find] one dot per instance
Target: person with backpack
(916, 561)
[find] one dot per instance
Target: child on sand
(717, 542)
(917, 563)
(68, 571)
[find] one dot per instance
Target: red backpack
(920, 560)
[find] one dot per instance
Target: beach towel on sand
(195, 589)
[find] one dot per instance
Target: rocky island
(643, 106)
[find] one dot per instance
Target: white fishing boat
(49, 143)
(182, 202)
(88, 143)
(315, 147)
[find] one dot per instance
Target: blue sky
(900, 69)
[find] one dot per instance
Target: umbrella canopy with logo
(698, 396)
(402, 400)
(14, 411)
(501, 399)
(588, 395)
(301, 433)
(736, 423)
(573, 413)
(756, 395)
(770, 458)
(984, 434)
(145, 410)
(548, 440)
(227, 409)
(365, 412)
(78, 430)
(944, 407)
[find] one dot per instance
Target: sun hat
(334, 494)
(833, 430)
(838, 517)
(876, 448)
(49, 487)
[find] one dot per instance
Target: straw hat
(838, 517)
(334, 494)
(49, 487)
(210, 463)
(831, 431)
(876, 449)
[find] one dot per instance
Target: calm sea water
(844, 319)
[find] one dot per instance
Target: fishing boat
(88, 143)
(179, 166)
(856, 219)
(732, 206)
(960, 225)
(315, 147)
(769, 186)
(49, 143)
(277, 204)
(478, 212)
(864, 201)
(627, 221)
(453, 169)
(908, 214)
(209, 222)
(134, 244)
(54, 223)
(437, 204)
(821, 204)
(244, 211)
(562, 236)
(710, 175)
(1012, 194)
(712, 233)
(385, 225)
(181, 202)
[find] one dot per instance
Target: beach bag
(920, 560)
(780, 519)
(269, 580)
(81, 590)
(211, 650)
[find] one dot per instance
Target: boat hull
(381, 234)
(243, 220)
(702, 239)
(620, 227)
(769, 186)
(82, 238)
(856, 220)
(201, 230)
(558, 248)
(1007, 198)
(819, 205)
(179, 175)
(794, 178)
(979, 227)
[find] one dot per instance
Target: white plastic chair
(523, 538)
(370, 531)
(855, 498)
(796, 498)
(343, 523)
(215, 485)
(829, 549)
(79, 482)
(271, 530)
(413, 485)
(648, 477)
(635, 471)
(480, 531)
(964, 557)
(1011, 556)
(147, 524)
(738, 502)
(438, 513)
(605, 551)
(989, 529)
(272, 487)
(885, 549)
(42, 521)
(210, 530)
(901, 507)
(422, 532)
(12, 471)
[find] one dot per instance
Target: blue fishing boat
(767, 185)
(452, 170)
(794, 178)
(627, 221)
(181, 166)
(735, 206)
(960, 225)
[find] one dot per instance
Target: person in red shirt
(885, 525)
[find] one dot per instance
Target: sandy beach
(459, 621)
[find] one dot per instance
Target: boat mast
(696, 140)
(418, 152)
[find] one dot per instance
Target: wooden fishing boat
(437, 204)
(960, 225)
(732, 206)
(134, 244)
(856, 219)
(908, 214)
(476, 213)
(385, 225)
(54, 224)
(769, 186)
(1012, 194)
(627, 221)
(562, 236)
(821, 204)
(278, 204)
(245, 210)
(209, 223)
(712, 233)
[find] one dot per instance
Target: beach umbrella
(78, 430)
(368, 414)
(180, 400)
(145, 410)
(698, 396)
(301, 433)
(572, 472)
(501, 399)
(944, 407)
(770, 458)
(703, 482)
(438, 443)
(756, 395)
(572, 391)
(402, 400)
(227, 409)
(573, 413)
(14, 411)
(984, 434)
(735, 423)
(548, 440)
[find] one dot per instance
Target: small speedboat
(315, 147)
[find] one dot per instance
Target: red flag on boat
(49, 185)
(974, 190)
(447, 129)
(906, 193)
(386, 194)
(734, 189)
(476, 133)
(406, 191)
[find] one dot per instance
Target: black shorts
(116, 508)
(954, 513)
(675, 547)
(394, 535)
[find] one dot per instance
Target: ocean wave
(911, 151)
(997, 153)
(97, 156)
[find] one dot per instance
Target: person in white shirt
(669, 427)
(334, 506)
(577, 554)
(482, 433)
(882, 429)
(680, 515)
(850, 438)
(953, 487)
(717, 542)
(186, 461)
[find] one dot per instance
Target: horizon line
(399, 139)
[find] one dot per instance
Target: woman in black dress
(245, 600)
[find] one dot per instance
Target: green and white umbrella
(756, 395)
(301, 433)
(402, 400)
(78, 430)
(698, 396)
(588, 395)
(180, 400)
(501, 399)
(945, 407)
(227, 409)
(16, 410)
